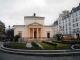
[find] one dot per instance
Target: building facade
(2, 29)
(34, 28)
(69, 22)
(55, 26)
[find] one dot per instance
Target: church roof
(18, 25)
(33, 17)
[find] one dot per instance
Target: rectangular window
(73, 30)
(76, 19)
(66, 29)
(76, 13)
(48, 35)
(69, 24)
(70, 32)
(66, 20)
(76, 24)
(72, 15)
(73, 20)
(77, 29)
(63, 27)
(73, 25)
(69, 28)
(66, 25)
(79, 12)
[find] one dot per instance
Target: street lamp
(9, 32)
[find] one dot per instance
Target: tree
(16, 37)
(58, 36)
(10, 33)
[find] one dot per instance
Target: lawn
(47, 46)
(35, 46)
(16, 45)
(61, 46)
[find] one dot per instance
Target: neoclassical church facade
(34, 28)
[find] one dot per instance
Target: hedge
(16, 45)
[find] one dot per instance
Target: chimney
(79, 4)
(73, 8)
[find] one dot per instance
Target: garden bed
(47, 46)
(51, 46)
(61, 46)
(16, 45)
(35, 46)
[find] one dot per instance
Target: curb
(42, 52)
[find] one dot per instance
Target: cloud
(12, 12)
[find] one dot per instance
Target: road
(7, 56)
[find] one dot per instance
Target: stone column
(37, 33)
(29, 32)
(40, 32)
(33, 33)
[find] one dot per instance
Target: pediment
(35, 24)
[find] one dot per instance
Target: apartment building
(2, 29)
(69, 22)
(55, 25)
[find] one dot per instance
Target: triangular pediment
(35, 24)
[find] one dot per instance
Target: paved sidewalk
(28, 45)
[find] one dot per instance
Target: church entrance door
(35, 33)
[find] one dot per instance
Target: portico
(35, 33)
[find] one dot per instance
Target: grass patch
(47, 46)
(61, 46)
(35, 46)
(16, 45)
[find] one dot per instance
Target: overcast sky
(12, 12)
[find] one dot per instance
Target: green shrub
(16, 45)
(50, 43)
(16, 37)
(61, 45)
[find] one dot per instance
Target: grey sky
(12, 12)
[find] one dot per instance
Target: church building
(34, 28)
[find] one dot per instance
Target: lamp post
(9, 32)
